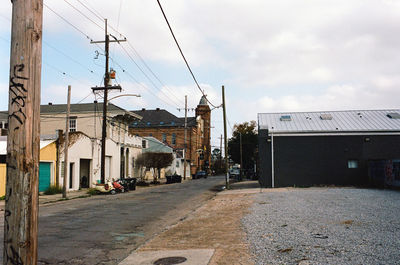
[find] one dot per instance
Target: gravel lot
(325, 226)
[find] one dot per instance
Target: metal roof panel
(342, 121)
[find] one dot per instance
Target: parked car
(174, 179)
(200, 174)
(234, 173)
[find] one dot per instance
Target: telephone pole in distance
(225, 139)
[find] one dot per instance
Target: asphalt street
(105, 229)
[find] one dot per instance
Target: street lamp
(124, 95)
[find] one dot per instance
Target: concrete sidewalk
(211, 235)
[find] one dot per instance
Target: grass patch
(53, 189)
(92, 191)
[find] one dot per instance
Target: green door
(44, 175)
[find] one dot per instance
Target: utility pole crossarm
(102, 41)
(107, 87)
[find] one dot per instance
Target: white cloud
(272, 55)
(334, 98)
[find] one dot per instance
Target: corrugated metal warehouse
(329, 148)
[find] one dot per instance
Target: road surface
(105, 229)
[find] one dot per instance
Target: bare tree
(156, 161)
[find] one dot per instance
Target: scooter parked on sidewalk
(105, 188)
(117, 186)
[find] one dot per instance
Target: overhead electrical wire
(183, 56)
(80, 12)
(67, 56)
(136, 53)
(66, 21)
(147, 77)
(149, 69)
(98, 16)
(141, 84)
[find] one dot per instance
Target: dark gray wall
(322, 160)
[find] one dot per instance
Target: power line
(141, 84)
(149, 69)
(67, 56)
(69, 23)
(183, 56)
(97, 14)
(147, 77)
(80, 12)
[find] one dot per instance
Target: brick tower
(203, 111)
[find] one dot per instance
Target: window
(325, 117)
(352, 164)
(393, 115)
(164, 137)
(72, 125)
(173, 138)
(177, 163)
(286, 118)
(133, 162)
(144, 144)
(62, 169)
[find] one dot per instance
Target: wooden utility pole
(220, 147)
(225, 139)
(220, 152)
(107, 86)
(184, 151)
(66, 142)
(23, 141)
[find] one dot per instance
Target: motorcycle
(128, 183)
(117, 186)
(108, 187)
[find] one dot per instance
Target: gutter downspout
(272, 161)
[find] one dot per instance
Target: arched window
(173, 138)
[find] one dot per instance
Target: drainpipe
(272, 161)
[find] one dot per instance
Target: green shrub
(92, 191)
(2, 198)
(53, 189)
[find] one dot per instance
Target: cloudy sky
(272, 56)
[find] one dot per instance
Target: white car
(234, 172)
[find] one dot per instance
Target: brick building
(170, 129)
